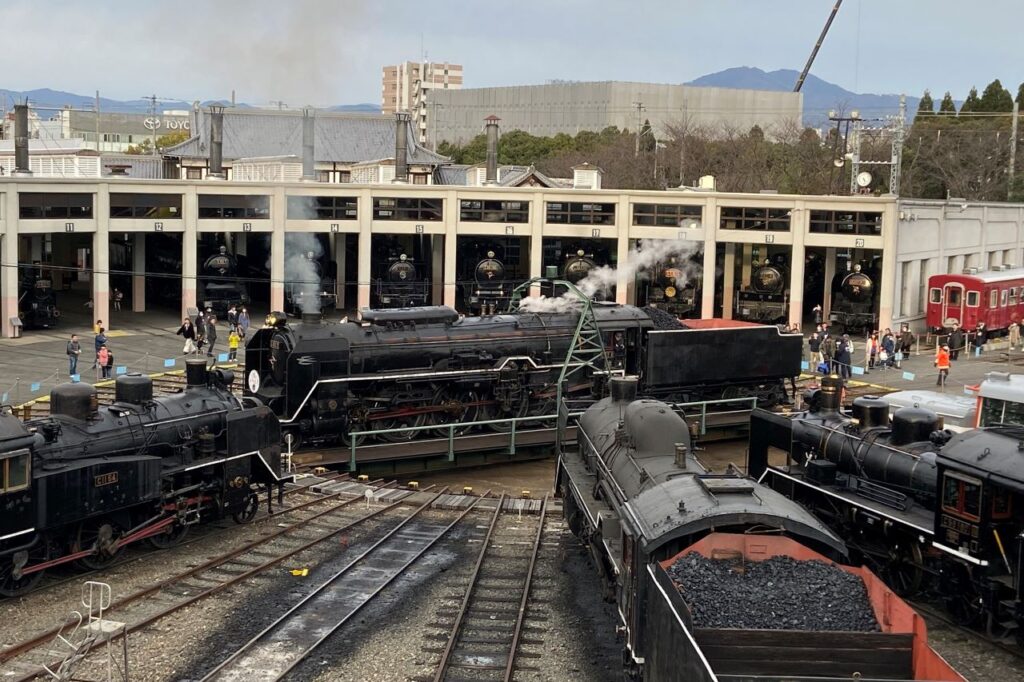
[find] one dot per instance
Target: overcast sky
(331, 52)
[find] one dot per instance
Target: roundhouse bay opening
(573, 259)
(406, 270)
(488, 269)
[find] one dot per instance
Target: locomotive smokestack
(492, 150)
(195, 372)
(311, 318)
(216, 142)
(401, 146)
(308, 144)
(21, 167)
(681, 450)
(623, 389)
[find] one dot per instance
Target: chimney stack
(492, 150)
(401, 145)
(216, 142)
(21, 167)
(309, 144)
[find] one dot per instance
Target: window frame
(579, 213)
(757, 218)
(412, 209)
(976, 295)
(993, 298)
(137, 209)
(494, 211)
(245, 212)
(1002, 298)
(5, 464)
(824, 221)
(56, 205)
(325, 207)
(1013, 296)
(932, 298)
(963, 481)
(666, 215)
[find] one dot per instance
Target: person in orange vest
(942, 362)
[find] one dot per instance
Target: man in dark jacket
(955, 342)
(844, 357)
(211, 334)
(980, 337)
(74, 350)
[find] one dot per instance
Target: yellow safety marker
(413, 485)
(362, 478)
(525, 494)
(467, 490)
(320, 470)
(300, 572)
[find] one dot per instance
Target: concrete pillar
(364, 264)
(9, 259)
(728, 281)
(139, 272)
(278, 212)
(189, 251)
(101, 258)
(537, 215)
(621, 279)
(799, 224)
(450, 253)
(830, 274)
(746, 266)
(439, 270)
(707, 291)
(888, 287)
(339, 258)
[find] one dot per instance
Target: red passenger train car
(995, 297)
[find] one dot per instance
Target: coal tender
(637, 497)
(931, 511)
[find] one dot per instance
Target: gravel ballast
(780, 593)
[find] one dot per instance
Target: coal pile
(663, 320)
(780, 593)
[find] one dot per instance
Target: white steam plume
(648, 256)
(301, 271)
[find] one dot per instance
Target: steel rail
(510, 666)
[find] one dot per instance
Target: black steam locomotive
(85, 481)
(933, 512)
(577, 266)
(767, 298)
(634, 494)
(309, 287)
(425, 366)
(854, 301)
(402, 285)
(490, 291)
(221, 287)
(669, 290)
(37, 302)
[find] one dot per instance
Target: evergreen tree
(927, 106)
(972, 103)
(1020, 96)
(947, 106)
(996, 98)
(647, 141)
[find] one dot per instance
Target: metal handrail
(703, 404)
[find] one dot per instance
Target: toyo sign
(154, 123)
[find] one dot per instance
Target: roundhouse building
(82, 226)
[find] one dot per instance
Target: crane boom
(817, 46)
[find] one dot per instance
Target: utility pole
(152, 115)
(639, 123)
(896, 169)
(1013, 148)
(97, 107)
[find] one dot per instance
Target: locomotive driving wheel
(13, 583)
(248, 510)
(400, 421)
(100, 536)
(169, 536)
(519, 408)
(903, 571)
(455, 406)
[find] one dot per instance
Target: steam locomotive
(490, 291)
(402, 286)
(312, 289)
(37, 303)
(577, 266)
(931, 511)
(669, 290)
(854, 303)
(423, 366)
(221, 286)
(767, 298)
(634, 494)
(82, 483)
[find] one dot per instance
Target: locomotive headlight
(670, 291)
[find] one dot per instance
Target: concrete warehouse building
(456, 115)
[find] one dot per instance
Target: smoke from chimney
(21, 140)
(216, 142)
(308, 144)
(401, 145)
(492, 150)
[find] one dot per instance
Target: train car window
(993, 298)
(953, 297)
(991, 412)
(936, 295)
(1013, 295)
(972, 298)
(14, 472)
(1002, 504)
(1002, 298)
(961, 496)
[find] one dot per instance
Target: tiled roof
(340, 138)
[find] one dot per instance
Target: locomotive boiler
(85, 481)
(854, 302)
(577, 266)
(419, 367)
(766, 299)
(928, 509)
(635, 495)
(402, 285)
(221, 287)
(490, 291)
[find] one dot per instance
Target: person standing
(1014, 334)
(817, 314)
(955, 342)
(108, 368)
(101, 362)
(211, 334)
(844, 356)
(980, 337)
(942, 363)
(116, 296)
(188, 332)
(232, 316)
(814, 346)
(828, 353)
(888, 352)
(871, 350)
(74, 350)
(233, 339)
(99, 341)
(243, 323)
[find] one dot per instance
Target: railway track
(487, 634)
(937, 614)
(25, 660)
(289, 640)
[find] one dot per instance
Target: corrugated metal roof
(340, 138)
(139, 166)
